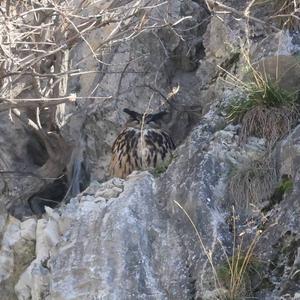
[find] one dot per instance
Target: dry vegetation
(232, 278)
(36, 39)
(236, 273)
(265, 110)
(253, 183)
(285, 13)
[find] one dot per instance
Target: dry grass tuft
(232, 277)
(269, 123)
(235, 275)
(253, 183)
(236, 272)
(267, 111)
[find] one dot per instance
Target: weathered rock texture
(133, 239)
(17, 251)
(94, 266)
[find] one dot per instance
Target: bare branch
(40, 102)
(215, 5)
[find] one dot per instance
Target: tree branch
(214, 5)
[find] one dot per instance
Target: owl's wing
(159, 148)
(124, 153)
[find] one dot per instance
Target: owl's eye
(151, 122)
(135, 122)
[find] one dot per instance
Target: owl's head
(150, 120)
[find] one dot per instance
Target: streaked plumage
(141, 145)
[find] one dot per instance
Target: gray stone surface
(129, 239)
(124, 247)
(279, 247)
(16, 252)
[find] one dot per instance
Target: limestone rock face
(127, 239)
(17, 251)
(115, 247)
(283, 69)
(14, 157)
(139, 74)
(280, 245)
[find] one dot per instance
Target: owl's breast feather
(136, 149)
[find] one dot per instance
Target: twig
(211, 4)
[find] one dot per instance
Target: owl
(142, 145)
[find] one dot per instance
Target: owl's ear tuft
(133, 114)
(158, 116)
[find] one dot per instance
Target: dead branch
(216, 5)
(32, 103)
(35, 40)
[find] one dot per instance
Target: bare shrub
(36, 38)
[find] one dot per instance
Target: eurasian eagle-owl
(142, 145)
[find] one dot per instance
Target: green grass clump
(163, 167)
(267, 110)
(285, 186)
(265, 94)
(235, 275)
(159, 170)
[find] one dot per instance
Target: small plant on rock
(266, 111)
(252, 183)
(235, 274)
(232, 278)
(284, 186)
(162, 168)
